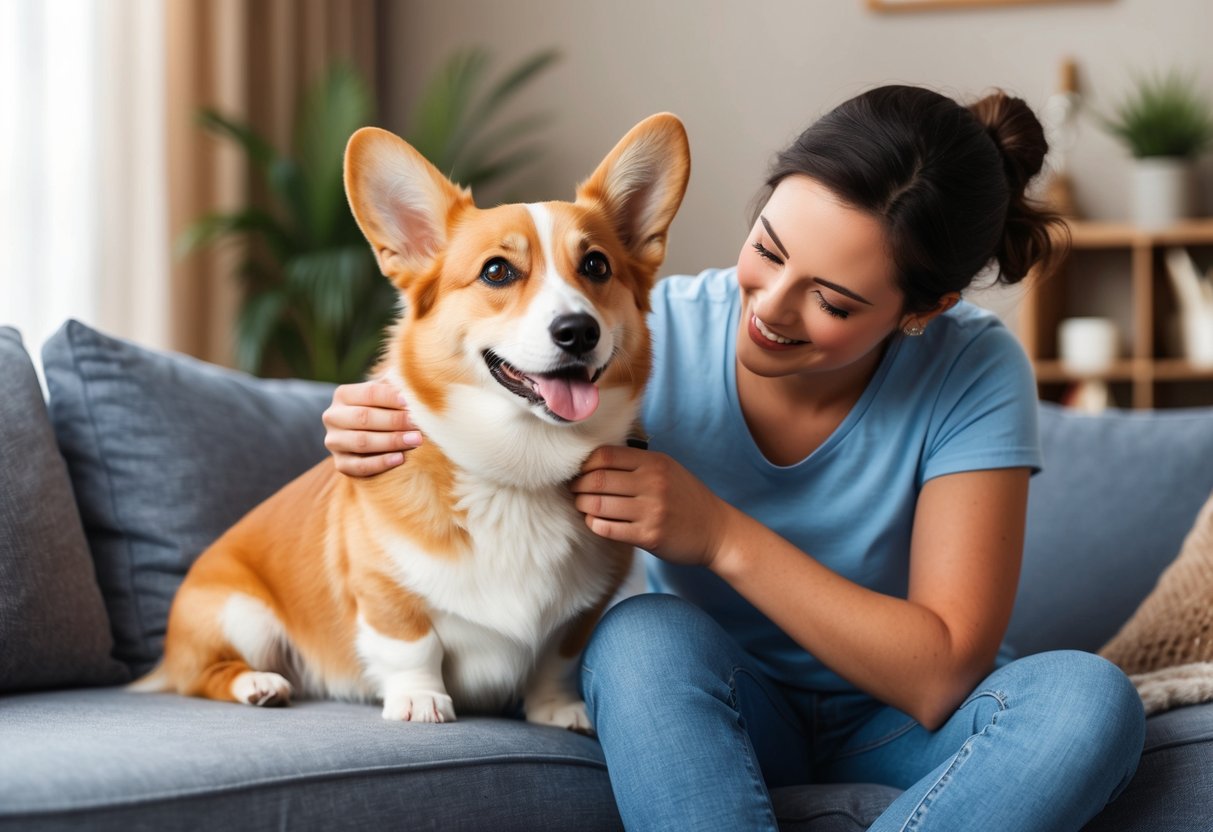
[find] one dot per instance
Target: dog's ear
(640, 184)
(401, 202)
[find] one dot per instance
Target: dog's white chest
(533, 566)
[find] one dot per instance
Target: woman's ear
(916, 323)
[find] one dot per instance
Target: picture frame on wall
(935, 5)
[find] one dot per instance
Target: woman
(834, 496)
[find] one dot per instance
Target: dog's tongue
(568, 398)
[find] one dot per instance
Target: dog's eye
(498, 272)
(595, 266)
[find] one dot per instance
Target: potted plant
(314, 304)
(1165, 123)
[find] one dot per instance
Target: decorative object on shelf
(1087, 345)
(1091, 395)
(1166, 123)
(1150, 372)
(1060, 119)
(1194, 297)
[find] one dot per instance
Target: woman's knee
(649, 623)
(1085, 694)
(653, 640)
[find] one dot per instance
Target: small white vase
(1162, 191)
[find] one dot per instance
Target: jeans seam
(909, 725)
(586, 696)
(777, 706)
(998, 695)
(756, 777)
(914, 821)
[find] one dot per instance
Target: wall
(746, 77)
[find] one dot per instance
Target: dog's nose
(577, 333)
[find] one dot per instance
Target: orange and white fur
(465, 579)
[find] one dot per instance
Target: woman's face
(817, 285)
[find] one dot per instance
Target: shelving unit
(1149, 375)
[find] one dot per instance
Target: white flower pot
(1162, 191)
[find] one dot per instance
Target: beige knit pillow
(1167, 646)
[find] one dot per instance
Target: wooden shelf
(1104, 234)
(1149, 298)
(1052, 371)
(1177, 369)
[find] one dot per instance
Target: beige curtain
(248, 59)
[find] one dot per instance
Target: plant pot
(1162, 190)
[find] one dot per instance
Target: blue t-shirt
(959, 398)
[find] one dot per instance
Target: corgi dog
(465, 579)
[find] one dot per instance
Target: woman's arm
(368, 428)
(922, 654)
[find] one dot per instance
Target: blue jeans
(695, 733)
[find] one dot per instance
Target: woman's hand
(368, 428)
(647, 499)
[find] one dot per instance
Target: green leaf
(260, 316)
(286, 181)
(1162, 116)
(329, 281)
(359, 355)
(333, 108)
(503, 167)
(442, 105)
(479, 156)
(290, 346)
(260, 151)
(479, 118)
(251, 221)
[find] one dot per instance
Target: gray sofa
(139, 459)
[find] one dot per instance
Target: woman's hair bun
(1016, 132)
(1033, 235)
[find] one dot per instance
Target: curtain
(102, 164)
(82, 193)
(249, 60)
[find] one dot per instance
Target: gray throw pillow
(53, 627)
(165, 453)
(1118, 493)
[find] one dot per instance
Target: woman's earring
(914, 330)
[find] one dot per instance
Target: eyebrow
(774, 237)
(842, 290)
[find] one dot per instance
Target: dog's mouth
(568, 392)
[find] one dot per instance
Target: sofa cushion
(850, 807)
(1167, 646)
(53, 626)
(1173, 787)
(107, 759)
(165, 453)
(1118, 493)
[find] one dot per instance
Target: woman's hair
(947, 182)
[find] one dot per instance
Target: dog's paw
(562, 713)
(423, 706)
(261, 688)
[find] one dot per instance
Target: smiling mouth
(773, 337)
(567, 393)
